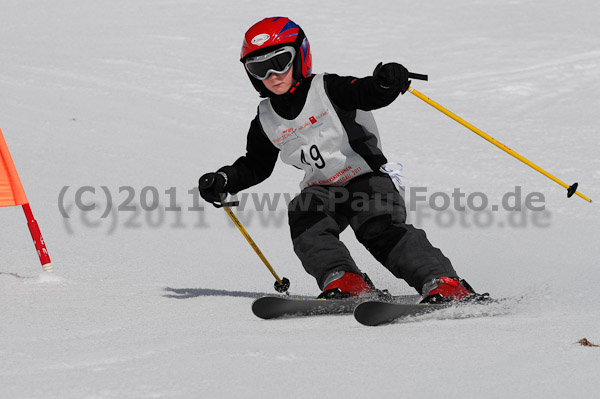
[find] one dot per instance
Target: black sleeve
(256, 165)
(350, 93)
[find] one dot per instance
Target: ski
(375, 313)
(273, 307)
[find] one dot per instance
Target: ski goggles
(278, 61)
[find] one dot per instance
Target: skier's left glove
(212, 187)
(392, 76)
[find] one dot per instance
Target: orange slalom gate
(13, 194)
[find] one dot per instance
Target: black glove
(392, 76)
(212, 187)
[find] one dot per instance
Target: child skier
(322, 124)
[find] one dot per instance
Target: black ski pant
(372, 206)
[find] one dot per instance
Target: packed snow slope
(120, 106)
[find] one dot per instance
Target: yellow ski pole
(281, 284)
(570, 189)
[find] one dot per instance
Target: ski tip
(366, 313)
(263, 307)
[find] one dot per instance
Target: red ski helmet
(272, 33)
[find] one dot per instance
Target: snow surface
(156, 304)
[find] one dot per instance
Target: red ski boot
(344, 285)
(445, 289)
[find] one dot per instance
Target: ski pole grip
(229, 204)
(417, 76)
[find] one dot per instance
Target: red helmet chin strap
(293, 89)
